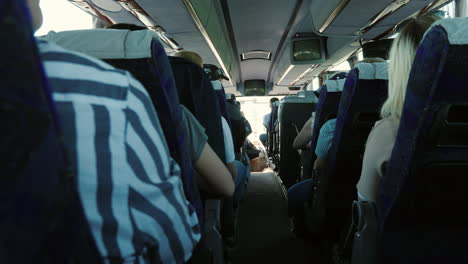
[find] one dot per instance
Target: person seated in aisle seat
(304, 137)
(213, 178)
(238, 129)
(228, 141)
(299, 193)
(266, 123)
(128, 184)
(381, 139)
(212, 174)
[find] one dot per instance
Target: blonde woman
(381, 139)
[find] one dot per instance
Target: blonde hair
(401, 59)
(191, 56)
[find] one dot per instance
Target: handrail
(196, 19)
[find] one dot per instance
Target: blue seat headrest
(373, 71)
(456, 28)
(106, 43)
(217, 85)
(334, 85)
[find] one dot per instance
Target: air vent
(256, 54)
(294, 88)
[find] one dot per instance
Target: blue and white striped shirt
(129, 186)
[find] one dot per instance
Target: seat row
(418, 215)
(168, 83)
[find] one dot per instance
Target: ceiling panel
(259, 25)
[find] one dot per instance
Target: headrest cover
(106, 43)
(228, 96)
(335, 85)
(456, 28)
(217, 86)
(373, 71)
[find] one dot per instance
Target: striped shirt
(129, 186)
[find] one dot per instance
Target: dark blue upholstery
(327, 108)
(197, 94)
(156, 75)
(221, 95)
(41, 218)
(293, 113)
(359, 108)
(422, 203)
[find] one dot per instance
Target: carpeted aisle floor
(263, 223)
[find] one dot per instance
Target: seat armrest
(365, 245)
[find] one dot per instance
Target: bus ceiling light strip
(315, 66)
(136, 10)
(333, 15)
(434, 5)
(90, 9)
(390, 9)
(256, 54)
(285, 73)
(207, 38)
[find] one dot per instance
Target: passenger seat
(364, 92)
(41, 219)
(421, 214)
(141, 53)
(327, 108)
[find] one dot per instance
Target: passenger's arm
(319, 163)
(375, 156)
(232, 169)
(304, 136)
(214, 177)
(229, 148)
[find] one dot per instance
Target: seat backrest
(423, 199)
(327, 108)
(221, 96)
(293, 112)
(141, 53)
(197, 94)
(364, 92)
(41, 218)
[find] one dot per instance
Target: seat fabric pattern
(197, 94)
(358, 110)
(422, 201)
(41, 217)
(156, 75)
(221, 96)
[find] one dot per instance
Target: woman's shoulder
(385, 128)
(385, 123)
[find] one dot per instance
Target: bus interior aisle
(264, 227)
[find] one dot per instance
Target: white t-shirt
(228, 143)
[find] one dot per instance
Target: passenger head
(272, 101)
(214, 72)
(36, 13)
(190, 56)
(401, 59)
